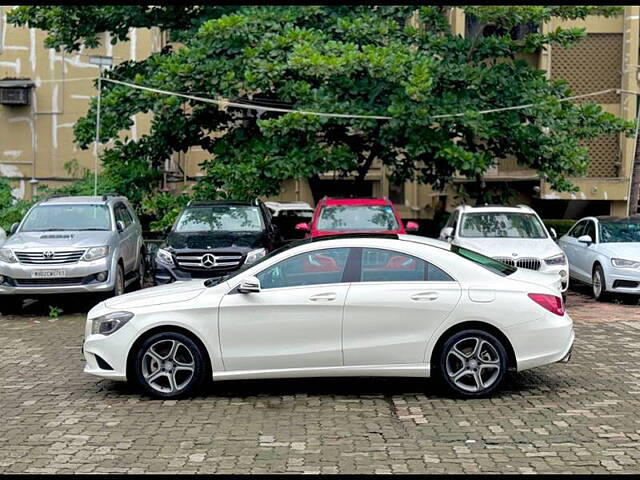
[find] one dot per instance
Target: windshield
(489, 263)
(50, 218)
(357, 217)
(617, 232)
(501, 224)
(223, 217)
(215, 281)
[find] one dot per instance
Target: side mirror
(554, 235)
(447, 233)
(412, 227)
(585, 239)
(249, 285)
(14, 228)
(120, 226)
(304, 227)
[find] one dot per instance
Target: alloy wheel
(473, 364)
(119, 289)
(168, 366)
(597, 283)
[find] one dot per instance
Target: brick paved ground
(580, 417)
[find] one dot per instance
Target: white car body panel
(371, 328)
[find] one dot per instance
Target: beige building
(36, 123)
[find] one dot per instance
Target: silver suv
(72, 245)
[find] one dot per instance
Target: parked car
(72, 245)
(513, 235)
(286, 215)
(364, 215)
(212, 238)
(349, 305)
(604, 252)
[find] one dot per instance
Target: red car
(361, 215)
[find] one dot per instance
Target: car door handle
(425, 296)
(326, 297)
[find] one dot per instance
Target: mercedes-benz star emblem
(47, 254)
(208, 261)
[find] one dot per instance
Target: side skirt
(408, 370)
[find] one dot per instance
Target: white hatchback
(350, 305)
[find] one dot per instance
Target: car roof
(81, 199)
(496, 208)
(612, 219)
(289, 205)
(431, 242)
(209, 203)
(355, 201)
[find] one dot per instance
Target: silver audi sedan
(604, 252)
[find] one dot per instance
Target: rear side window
(379, 265)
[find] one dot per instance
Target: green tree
(397, 61)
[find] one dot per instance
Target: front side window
(590, 230)
(311, 268)
(123, 215)
(357, 217)
(379, 265)
(577, 230)
(619, 232)
(223, 217)
(489, 263)
(501, 225)
(72, 217)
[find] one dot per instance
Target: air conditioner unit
(15, 92)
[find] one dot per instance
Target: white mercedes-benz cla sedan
(384, 305)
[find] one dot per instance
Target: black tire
(118, 288)
(564, 297)
(146, 366)
(599, 290)
(463, 358)
(11, 304)
(142, 271)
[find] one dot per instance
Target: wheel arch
(167, 329)
(472, 325)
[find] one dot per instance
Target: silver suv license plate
(49, 274)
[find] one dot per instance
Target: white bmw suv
(513, 235)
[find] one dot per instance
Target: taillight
(550, 302)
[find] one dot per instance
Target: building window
(396, 193)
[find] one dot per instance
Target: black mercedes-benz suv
(212, 238)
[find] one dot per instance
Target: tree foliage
(397, 61)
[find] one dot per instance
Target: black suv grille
(204, 261)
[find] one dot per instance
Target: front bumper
(106, 356)
(79, 277)
(623, 280)
(164, 274)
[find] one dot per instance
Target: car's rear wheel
(472, 363)
(599, 284)
(169, 365)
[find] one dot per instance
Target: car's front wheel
(473, 363)
(169, 365)
(599, 284)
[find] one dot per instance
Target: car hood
(69, 239)
(628, 251)
(548, 279)
(213, 240)
(506, 247)
(174, 292)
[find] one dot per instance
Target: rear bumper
(541, 342)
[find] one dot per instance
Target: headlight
(254, 255)
(163, 256)
(7, 256)
(95, 253)
(109, 323)
(622, 263)
(559, 259)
